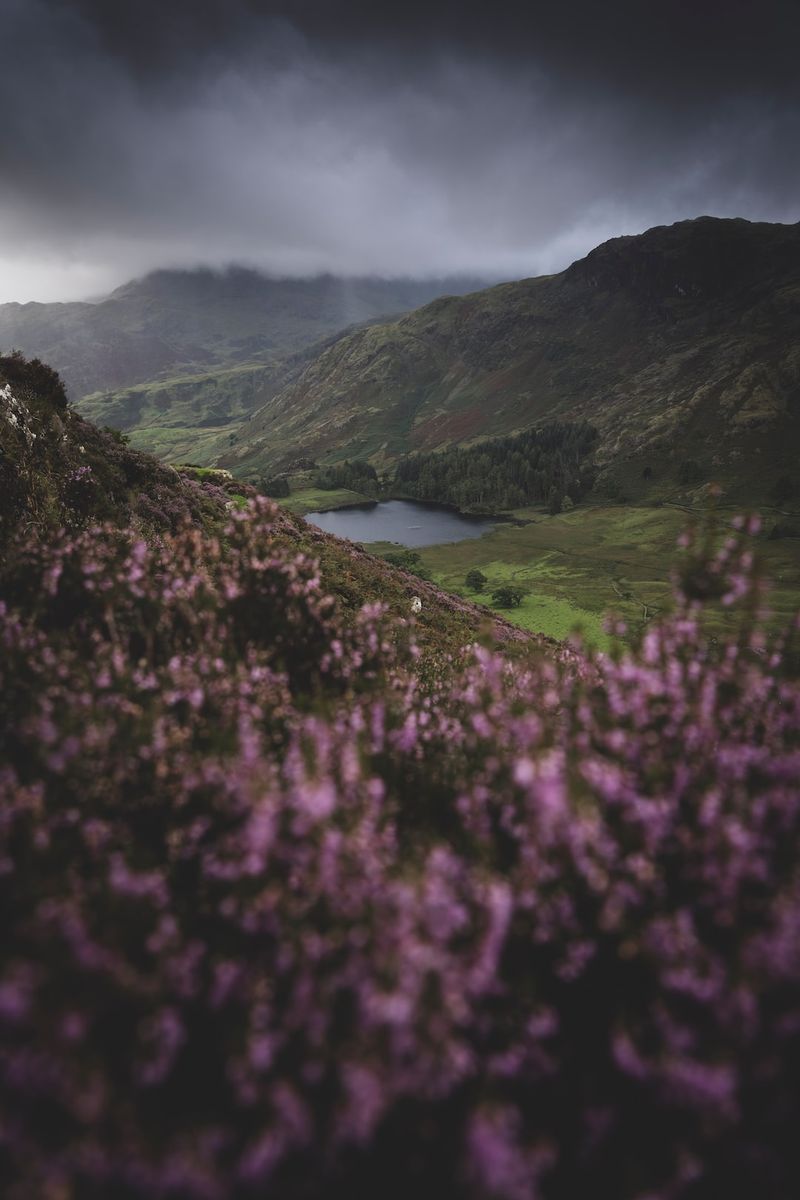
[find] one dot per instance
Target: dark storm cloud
(358, 136)
(711, 42)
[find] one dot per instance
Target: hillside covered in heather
(679, 345)
(303, 896)
(59, 471)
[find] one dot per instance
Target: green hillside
(682, 347)
(195, 416)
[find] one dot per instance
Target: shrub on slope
(284, 920)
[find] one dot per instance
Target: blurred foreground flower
(282, 919)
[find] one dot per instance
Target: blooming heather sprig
(283, 917)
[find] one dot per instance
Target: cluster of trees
(357, 476)
(408, 560)
(277, 487)
(508, 595)
(476, 580)
(545, 466)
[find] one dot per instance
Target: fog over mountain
(390, 139)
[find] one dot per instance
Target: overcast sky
(380, 137)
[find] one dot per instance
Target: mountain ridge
(680, 344)
(182, 320)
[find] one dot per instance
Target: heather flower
(285, 914)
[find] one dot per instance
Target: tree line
(356, 476)
(544, 466)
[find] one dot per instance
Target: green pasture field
(310, 499)
(578, 567)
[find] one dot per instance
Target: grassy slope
(43, 446)
(193, 417)
(356, 577)
(569, 566)
(312, 499)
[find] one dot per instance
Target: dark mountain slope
(59, 471)
(681, 345)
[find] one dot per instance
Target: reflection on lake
(405, 521)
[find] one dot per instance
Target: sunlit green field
(580, 566)
(310, 499)
(180, 443)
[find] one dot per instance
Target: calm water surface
(405, 521)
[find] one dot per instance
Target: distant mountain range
(231, 334)
(183, 322)
(682, 345)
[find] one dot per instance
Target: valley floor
(312, 499)
(579, 566)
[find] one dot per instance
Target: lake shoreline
(482, 515)
(402, 521)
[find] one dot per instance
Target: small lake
(408, 522)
